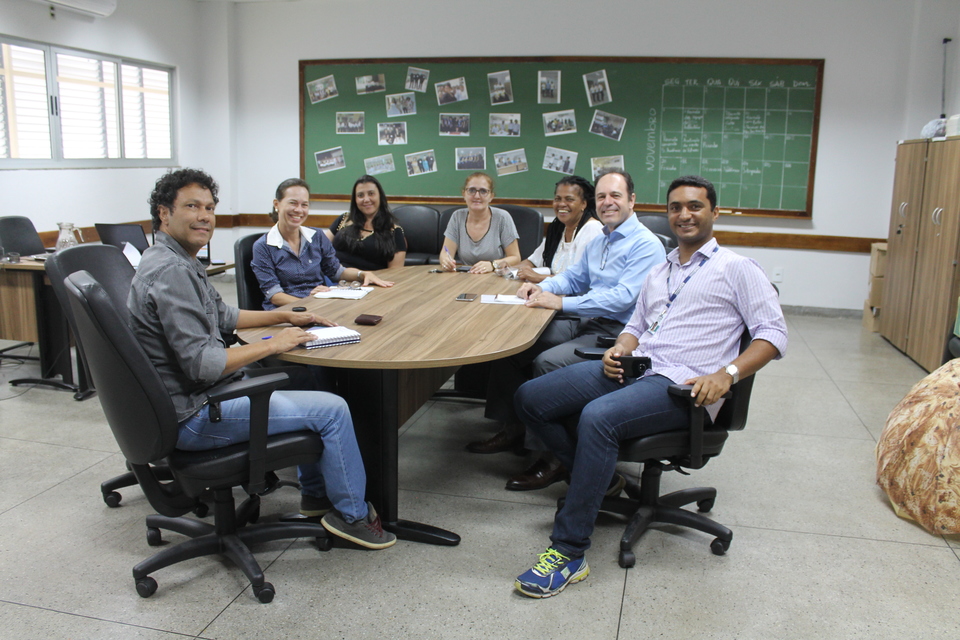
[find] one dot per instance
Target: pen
(266, 337)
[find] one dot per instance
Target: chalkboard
(422, 125)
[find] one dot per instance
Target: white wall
(238, 114)
(190, 36)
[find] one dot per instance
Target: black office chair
(117, 234)
(660, 226)
(141, 415)
(529, 223)
(691, 448)
(18, 235)
(421, 227)
(445, 216)
(249, 295)
(113, 271)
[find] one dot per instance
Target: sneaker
(551, 575)
(314, 507)
(367, 533)
(616, 486)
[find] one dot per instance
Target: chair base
(12, 356)
(645, 507)
(231, 536)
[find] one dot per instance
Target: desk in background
(30, 312)
(398, 364)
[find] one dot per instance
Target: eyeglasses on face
(474, 191)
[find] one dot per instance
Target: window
(67, 108)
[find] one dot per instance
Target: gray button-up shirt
(178, 317)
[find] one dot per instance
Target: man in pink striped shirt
(688, 320)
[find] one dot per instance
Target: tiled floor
(817, 551)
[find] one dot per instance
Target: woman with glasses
(480, 235)
(368, 236)
(292, 261)
(575, 224)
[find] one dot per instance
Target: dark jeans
(609, 412)
(553, 350)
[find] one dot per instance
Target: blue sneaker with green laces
(551, 575)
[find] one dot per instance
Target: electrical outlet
(778, 274)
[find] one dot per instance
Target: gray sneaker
(367, 533)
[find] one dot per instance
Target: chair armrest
(696, 421)
(259, 390)
(590, 353)
(606, 341)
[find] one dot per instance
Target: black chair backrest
(18, 235)
(249, 295)
(136, 403)
(660, 226)
(106, 264)
(421, 226)
(117, 234)
(733, 413)
(529, 224)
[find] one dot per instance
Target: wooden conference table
(30, 312)
(398, 364)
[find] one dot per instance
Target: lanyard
(673, 296)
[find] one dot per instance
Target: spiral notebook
(331, 337)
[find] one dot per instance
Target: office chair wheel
(146, 587)
(112, 499)
(325, 543)
(706, 505)
(719, 547)
(627, 559)
(265, 593)
(201, 510)
(254, 515)
(154, 539)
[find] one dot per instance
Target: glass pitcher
(68, 235)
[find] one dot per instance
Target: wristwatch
(493, 263)
(733, 371)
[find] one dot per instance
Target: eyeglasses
(474, 191)
(603, 256)
(343, 284)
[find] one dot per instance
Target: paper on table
(501, 298)
(345, 294)
(131, 253)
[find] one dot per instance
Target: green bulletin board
(748, 125)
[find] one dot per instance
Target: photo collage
(390, 119)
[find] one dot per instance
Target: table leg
(373, 398)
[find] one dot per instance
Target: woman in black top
(368, 236)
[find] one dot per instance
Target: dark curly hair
(556, 228)
(348, 237)
(165, 191)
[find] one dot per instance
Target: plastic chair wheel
(719, 547)
(705, 505)
(146, 587)
(154, 538)
(325, 543)
(112, 499)
(265, 593)
(201, 510)
(627, 559)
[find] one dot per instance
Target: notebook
(331, 337)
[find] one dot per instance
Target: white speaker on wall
(99, 8)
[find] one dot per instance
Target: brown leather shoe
(540, 475)
(501, 441)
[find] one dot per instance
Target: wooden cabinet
(921, 285)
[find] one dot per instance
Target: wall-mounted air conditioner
(100, 8)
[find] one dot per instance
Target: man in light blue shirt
(595, 297)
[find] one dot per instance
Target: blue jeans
(339, 474)
(610, 412)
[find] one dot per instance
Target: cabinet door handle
(903, 209)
